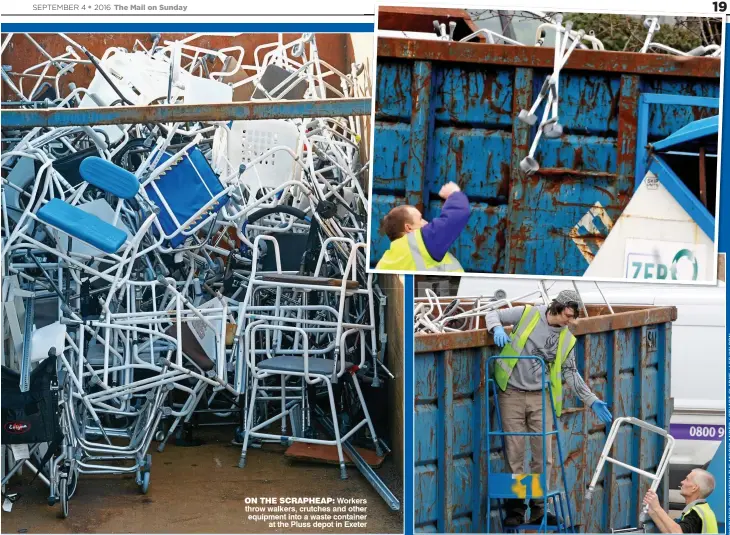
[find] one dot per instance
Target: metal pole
(703, 178)
(183, 113)
(362, 465)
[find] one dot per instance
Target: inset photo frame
(496, 152)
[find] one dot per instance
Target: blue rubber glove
(600, 409)
(500, 337)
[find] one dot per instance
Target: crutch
(529, 164)
(661, 467)
(549, 86)
(652, 25)
(549, 125)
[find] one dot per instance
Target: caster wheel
(145, 482)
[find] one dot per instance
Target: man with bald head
(697, 517)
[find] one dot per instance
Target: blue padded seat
(291, 363)
(86, 227)
(109, 177)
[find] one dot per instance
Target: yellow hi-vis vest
(504, 366)
(409, 253)
(709, 521)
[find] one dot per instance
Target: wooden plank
(324, 453)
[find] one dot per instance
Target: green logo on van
(652, 270)
(689, 255)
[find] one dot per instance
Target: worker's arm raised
(441, 233)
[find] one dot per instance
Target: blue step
(517, 486)
(85, 227)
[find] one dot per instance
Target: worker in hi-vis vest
(540, 331)
(697, 517)
(420, 245)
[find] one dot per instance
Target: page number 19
(720, 6)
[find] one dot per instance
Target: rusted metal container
(420, 19)
(624, 358)
(448, 111)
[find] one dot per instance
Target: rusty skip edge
(425, 343)
(541, 57)
(173, 113)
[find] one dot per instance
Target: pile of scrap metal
(554, 22)
(156, 270)
(434, 314)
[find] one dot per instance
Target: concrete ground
(201, 490)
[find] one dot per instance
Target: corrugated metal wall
(448, 111)
(624, 358)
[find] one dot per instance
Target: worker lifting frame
(655, 478)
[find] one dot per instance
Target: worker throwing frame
(540, 331)
(420, 245)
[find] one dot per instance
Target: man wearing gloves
(540, 331)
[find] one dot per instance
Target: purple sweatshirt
(440, 234)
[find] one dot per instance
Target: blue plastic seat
(86, 227)
(109, 177)
(187, 186)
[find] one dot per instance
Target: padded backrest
(109, 177)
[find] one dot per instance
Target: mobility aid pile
(155, 269)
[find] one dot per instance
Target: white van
(698, 368)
